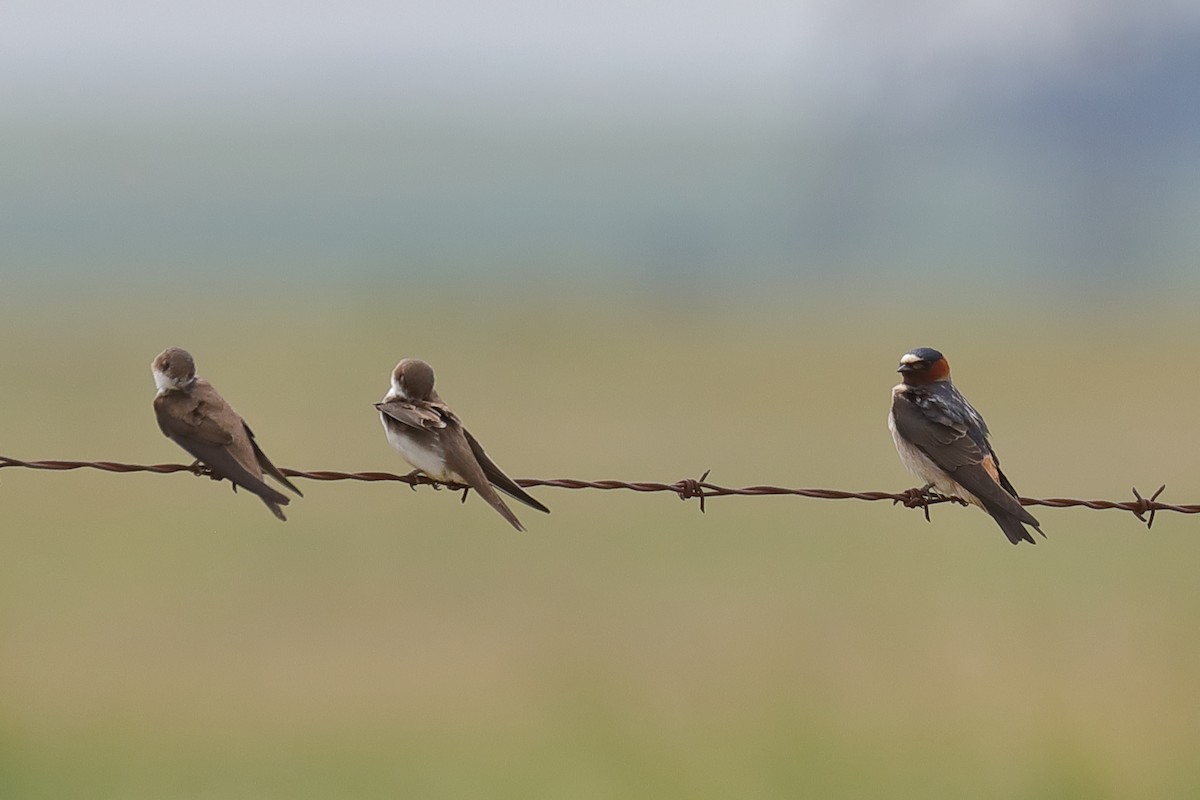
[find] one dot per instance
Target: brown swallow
(429, 436)
(943, 440)
(193, 415)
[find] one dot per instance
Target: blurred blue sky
(732, 138)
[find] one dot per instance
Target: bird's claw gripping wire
(418, 478)
(917, 497)
(202, 470)
(924, 497)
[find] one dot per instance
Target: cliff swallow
(193, 415)
(943, 440)
(432, 439)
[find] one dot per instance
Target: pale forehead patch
(909, 358)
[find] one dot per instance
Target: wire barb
(1144, 508)
(692, 487)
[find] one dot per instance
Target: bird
(193, 414)
(943, 440)
(430, 437)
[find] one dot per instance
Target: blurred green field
(161, 637)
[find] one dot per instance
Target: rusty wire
(1144, 508)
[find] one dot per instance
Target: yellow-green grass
(162, 637)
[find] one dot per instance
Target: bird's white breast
(919, 464)
(423, 458)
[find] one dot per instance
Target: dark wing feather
(497, 477)
(1004, 481)
(266, 464)
(461, 459)
(999, 503)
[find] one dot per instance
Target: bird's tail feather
(497, 502)
(275, 509)
(1014, 528)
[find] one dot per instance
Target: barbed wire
(1144, 508)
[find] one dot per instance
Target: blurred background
(636, 241)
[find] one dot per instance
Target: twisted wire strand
(1144, 508)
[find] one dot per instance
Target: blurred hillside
(856, 142)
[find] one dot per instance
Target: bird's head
(412, 379)
(923, 365)
(174, 370)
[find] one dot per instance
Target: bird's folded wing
(266, 465)
(415, 416)
(183, 418)
(948, 446)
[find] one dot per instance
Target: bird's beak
(905, 368)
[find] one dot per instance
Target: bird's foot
(919, 498)
(926, 496)
(418, 478)
(413, 478)
(202, 470)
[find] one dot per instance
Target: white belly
(423, 458)
(919, 464)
